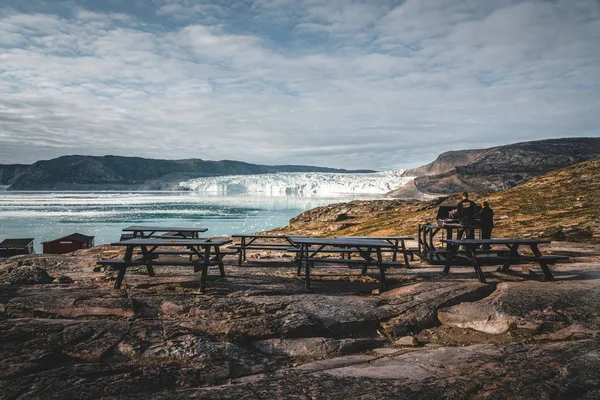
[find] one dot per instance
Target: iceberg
(305, 184)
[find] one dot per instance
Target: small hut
(13, 247)
(68, 244)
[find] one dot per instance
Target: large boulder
(29, 275)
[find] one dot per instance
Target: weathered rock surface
(258, 334)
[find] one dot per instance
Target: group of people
(468, 212)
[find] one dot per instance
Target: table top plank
(171, 242)
(239, 235)
(496, 241)
(143, 228)
(377, 237)
(343, 242)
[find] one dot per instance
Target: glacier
(305, 184)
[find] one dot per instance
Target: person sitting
(466, 210)
(486, 216)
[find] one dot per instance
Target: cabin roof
(15, 243)
(76, 237)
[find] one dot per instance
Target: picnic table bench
(203, 253)
(143, 231)
(369, 249)
(509, 258)
(261, 242)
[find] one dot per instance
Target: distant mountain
(496, 168)
(130, 173)
(446, 162)
(9, 173)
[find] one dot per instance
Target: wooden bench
(274, 246)
(189, 252)
(364, 263)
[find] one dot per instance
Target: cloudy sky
(374, 84)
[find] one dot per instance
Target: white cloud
(353, 84)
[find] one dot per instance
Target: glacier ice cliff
(307, 184)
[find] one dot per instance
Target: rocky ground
(257, 334)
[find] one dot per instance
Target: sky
(376, 84)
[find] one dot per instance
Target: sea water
(50, 215)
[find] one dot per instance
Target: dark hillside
(497, 168)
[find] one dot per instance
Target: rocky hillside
(130, 173)
(446, 162)
(496, 168)
(560, 205)
(9, 173)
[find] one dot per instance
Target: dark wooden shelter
(68, 244)
(13, 247)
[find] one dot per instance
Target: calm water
(49, 215)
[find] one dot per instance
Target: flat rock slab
(559, 370)
(540, 306)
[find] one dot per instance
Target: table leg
(123, 268)
(367, 256)
(382, 281)
(241, 252)
(120, 277)
(395, 242)
(220, 261)
(423, 246)
(404, 254)
(429, 240)
(547, 273)
(448, 236)
(453, 250)
(307, 266)
(478, 271)
(148, 258)
(433, 233)
(299, 258)
(205, 269)
(514, 254)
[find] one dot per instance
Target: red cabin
(68, 244)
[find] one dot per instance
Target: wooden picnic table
(397, 241)
(514, 256)
(143, 231)
(261, 242)
(369, 249)
(204, 253)
(426, 234)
